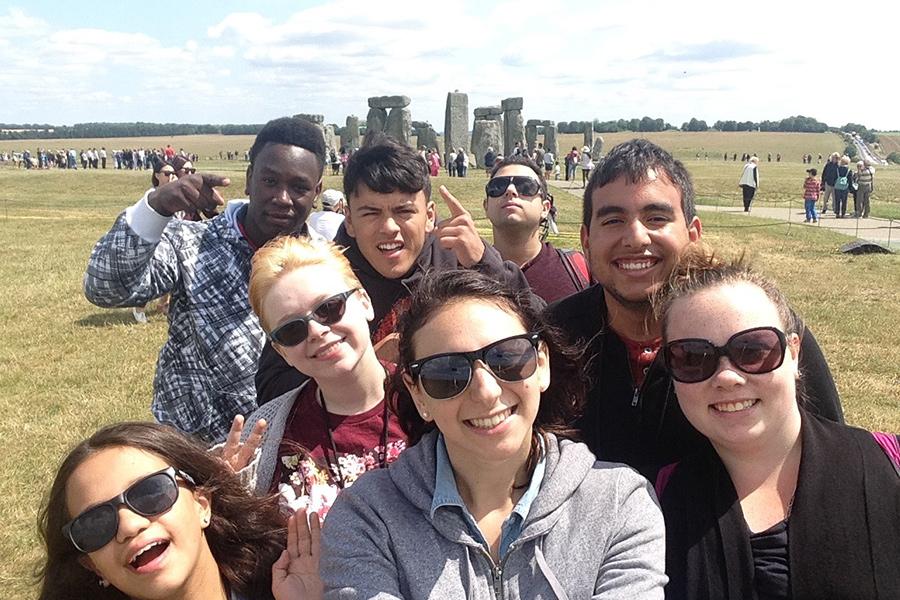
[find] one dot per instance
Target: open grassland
(70, 367)
(890, 142)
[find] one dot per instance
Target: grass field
(70, 367)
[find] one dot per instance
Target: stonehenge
(350, 135)
(396, 123)
(589, 134)
(487, 132)
(456, 123)
(597, 148)
(513, 124)
(327, 130)
(425, 134)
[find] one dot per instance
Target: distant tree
(894, 157)
(850, 150)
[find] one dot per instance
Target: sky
(238, 62)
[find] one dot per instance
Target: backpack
(843, 181)
(576, 267)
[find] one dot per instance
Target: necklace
(382, 450)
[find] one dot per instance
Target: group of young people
(413, 385)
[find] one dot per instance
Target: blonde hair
(286, 254)
(845, 160)
(700, 269)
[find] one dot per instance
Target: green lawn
(69, 367)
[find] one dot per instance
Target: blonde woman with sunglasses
(492, 501)
(782, 503)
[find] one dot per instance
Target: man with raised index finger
(204, 375)
(638, 218)
(392, 238)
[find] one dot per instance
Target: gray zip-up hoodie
(594, 531)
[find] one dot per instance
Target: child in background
(811, 196)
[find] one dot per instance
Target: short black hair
(632, 159)
(291, 131)
(385, 165)
(525, 161)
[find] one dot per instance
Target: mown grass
(69, 367)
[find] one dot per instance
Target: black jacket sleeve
(274, 376)
(818, 384)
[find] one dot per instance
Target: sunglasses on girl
(187, 171)
(328, 312)
(445, 376)
(754, 351)
(153, 495)
(525, 186)
(167, 173)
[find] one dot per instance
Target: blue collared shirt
(446, 495)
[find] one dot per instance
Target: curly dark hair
(384, 165)
(560, 405)
(632, 160)
(246, 533)
(291, 131)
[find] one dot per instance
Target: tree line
(31, 131)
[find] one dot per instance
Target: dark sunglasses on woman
(150, 496)
(186, 172)
(328, 312)
(755, 351)
(445, 376)
(525, 186)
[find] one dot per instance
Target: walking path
(874, 229)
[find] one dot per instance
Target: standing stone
(350, 136)
(550, 142)
(456, 123)
(513, 125)
(425, 134)
(589, 134)
(398, 124)
(531, 129)
(317, 119)
(329, 138)
(486, 133)
(597, 150)
(376, 120)
(387, 102)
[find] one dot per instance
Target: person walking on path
(841, 186)
(811, 196)
(865, 185)
(829, 175)
(749, 181)
(587, 164)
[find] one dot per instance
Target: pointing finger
(456, 208)
(211, 180)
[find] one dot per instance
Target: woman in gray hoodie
(491, 501)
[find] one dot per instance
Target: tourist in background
(587, 164)
(491, 496)
(571, 163)
(782, 503)
(489, 158)
(434, 162)
(842, 181)
(811, 196)
(451, 163)
(327, 221)
(864, 179)
(462, 162)
(749, 181)
(829, 175)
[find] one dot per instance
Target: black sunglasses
(153, 495)
(755, 351)
(444, 376)
(526, 186)
(187, 171)
(167, 173)
(328, 312)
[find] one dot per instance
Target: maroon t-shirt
(548, 277)
(305, 458)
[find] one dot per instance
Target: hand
(458, 232)
(295, 575)
(191, 193)
(236, 454)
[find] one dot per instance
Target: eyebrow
(653, 207)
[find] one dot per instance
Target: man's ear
(695, 229)
(545, 208)
(247, 184)
(348, 220)
(431, 215)
(586, 243)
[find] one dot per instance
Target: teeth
(734, 406)
(491, 422)
(635, 265)
(144, 549)
(390, 247)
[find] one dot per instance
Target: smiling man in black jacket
(638, 217)
(392, 239)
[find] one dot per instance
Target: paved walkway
(874, 229)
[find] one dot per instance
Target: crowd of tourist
(642, 419)
(93, 158)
